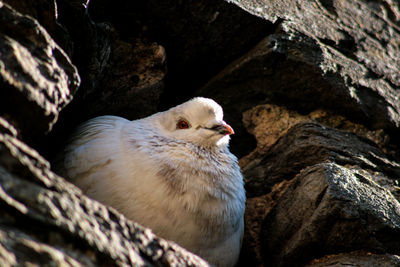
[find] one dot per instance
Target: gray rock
(119, 77)
(44, 11)
(36, 76)
(47, 221)
(200, 37)
(354, 259)
(337, 55)
(329, 209)
(132, 82)
(307, 144)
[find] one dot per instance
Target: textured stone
(79, 231)
(336, 55)
(257, 209)
(44, 11)
(329, 209)
(313, 191)
(307, 144)
(122, 77)
(132, 82)
(357, 258)
(200, 37)
(270, 122)
(36, 76)
(264, 76)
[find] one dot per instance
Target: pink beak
(226, 129)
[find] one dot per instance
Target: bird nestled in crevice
(171, 172)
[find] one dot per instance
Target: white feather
(184, 184)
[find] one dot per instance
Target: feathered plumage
(171, 172)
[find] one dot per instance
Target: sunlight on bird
(171, 172)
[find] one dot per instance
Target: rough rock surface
(36, 76)
(358, 258)
(122, 77)
(328, 209)
(47, 221)
(133, 81)
(308, 144)
(304, 146)
(353, 44)
(270, 122)
(315, 82)
(337, 55)
(200, 37)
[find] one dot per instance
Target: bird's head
(199, 121)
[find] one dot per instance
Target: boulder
(332, 55)
(46, 13)
(36, 76)
(48, 221)
(329, 209)
(200, 38)
(357, 258)
(295, 144)
(122, 77)
(307, 144)
(310, 87)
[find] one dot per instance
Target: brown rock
(330, 209)
(270, 122)
(357, 258)
(36, 76)
(132, 83)
(200, 37)
(257, 209)
(309, 144)
(335, 55)
(46, 13)
(78, 230)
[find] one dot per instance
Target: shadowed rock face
(330, 209)
(312, 89)
(78, 231)
(37, 78)
(309, 144)
(356, 259)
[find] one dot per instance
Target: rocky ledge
(312, 89)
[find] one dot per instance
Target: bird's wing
(91, 148)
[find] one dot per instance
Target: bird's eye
(182, 124)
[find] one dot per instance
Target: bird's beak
(224, 129)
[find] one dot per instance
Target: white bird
(171, 172)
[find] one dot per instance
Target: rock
(357, 258)
(91, 42)
(329, 209)
(270, 122)
(344, 27)
(336, 55)
(307, 144)
(264, 76)
(323, 181)
(119, 77)
(46, 13)
(7, 128)
(36, 76)
(303, 142)
(79, 231)
(132, 83)
(199, 37)
(256, 210)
